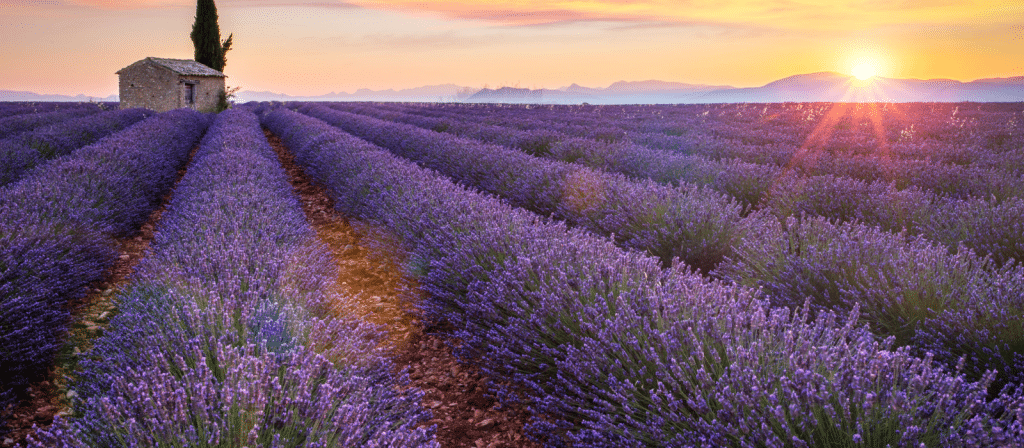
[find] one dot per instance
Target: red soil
(370, 272)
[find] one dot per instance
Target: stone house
(165, 84)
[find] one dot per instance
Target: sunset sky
(315, 47)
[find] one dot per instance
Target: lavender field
(748, 275)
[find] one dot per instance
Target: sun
(864, 71)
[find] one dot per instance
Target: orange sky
(314, 47)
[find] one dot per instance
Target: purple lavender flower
(607, 349)
(228, 335)
(55, 229)
(29, 149)
(691, 223)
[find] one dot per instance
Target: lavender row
(752, 183)
(24, 151)
(693, 224)
(958, 175)
(744, 181)
(874, 141)
(12, 108)
(926, 145)
(14, 125)
(535, 142)
(231, 333)
(948, 133)
(987, 226)
(688, 127)
(980, 173)
(962, 134)
(747, 182)
(56, 227)
(952, 305)
(863, 139)
(608, 349)
(990, 228)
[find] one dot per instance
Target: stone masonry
(165, 84)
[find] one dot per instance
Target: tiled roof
(186, 67)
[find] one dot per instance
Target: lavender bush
(56, 226)
(691, 223)
(231, 334)
(744, 181)
(930, 146)
(607, 349)
(881, 203)
(846, 199)
(32, 148)
(985, 331)
(725, 373)
(126, 174)
(962, 134)
(904, 286)
(16, 124)
(12, 108)
(988, 226)
(243, 396)
(896, 279)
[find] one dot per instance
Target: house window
(190, 94)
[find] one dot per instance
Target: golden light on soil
(864, 71)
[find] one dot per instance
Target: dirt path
(370, 272)
(90, 316)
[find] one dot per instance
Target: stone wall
(148, 85)
(207, 91)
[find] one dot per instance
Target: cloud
(134, 4)
(307, 4)
(512, 13)
(897, 5)
(748, 14)
(427, 41)
(221, 4)
(741, 16)
(526, 17)
(705, 29)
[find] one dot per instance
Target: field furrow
(607, 349)
(459, 275)
(371, 274)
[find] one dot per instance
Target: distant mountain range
(822, 86)
(438, 93)
(621, 92)
(11, 95)
(831, 87)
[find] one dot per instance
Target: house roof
(186, 67)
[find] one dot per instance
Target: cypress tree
(206, 36)
(225, 47)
